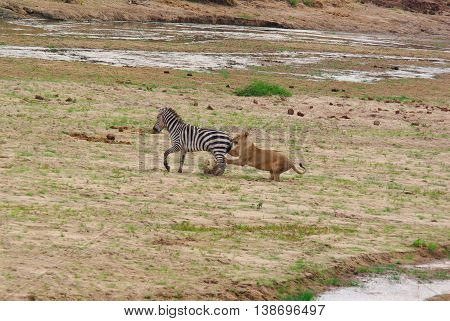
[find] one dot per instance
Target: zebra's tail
(297, 171)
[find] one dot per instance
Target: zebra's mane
(174, 113)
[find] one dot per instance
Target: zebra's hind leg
(171, 150)
(182, 157)
(219, 169)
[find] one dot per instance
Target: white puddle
(203, 32)
(392, 288)
(217, 61)
(384, 289)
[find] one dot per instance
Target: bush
(419, 243)
(431, 246)
(294, 3)
(261, 88)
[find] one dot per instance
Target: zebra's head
(160, 122)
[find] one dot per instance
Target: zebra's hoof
(180, 170)
(167, 167)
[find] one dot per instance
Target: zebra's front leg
(171, 150)
(182, 157)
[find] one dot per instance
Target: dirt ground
(340, 15)
(80, 219)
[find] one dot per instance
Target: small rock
(166, 72)
(189, 75)
(210, 107)
(255, 101)
(164, 90)
(394, 68)
(292, 87)
(38, 97)
(290, 111)
(397, 112)
(429, 112)
(376, 122)
(228, 86)
(70, 99)
(331, 104)
(299, 113)
(311, 107)
(345, 117)
(415, 124)
(110, 137)
(195, 103)
(335, 90)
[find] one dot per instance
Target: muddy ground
(430, 17)
(79, 220)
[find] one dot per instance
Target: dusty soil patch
(442, 297)
(109, 139)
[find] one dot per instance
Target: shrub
(294, 3)
(261, 88)
(419, 243)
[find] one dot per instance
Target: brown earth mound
(337, 15)
(421, 6)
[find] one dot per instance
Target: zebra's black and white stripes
(188, 138)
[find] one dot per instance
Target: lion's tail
(297, 171)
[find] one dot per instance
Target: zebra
(188, 138)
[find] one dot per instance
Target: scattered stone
(397, 112)
(299, 113)
(311, 107)
(255, 101)
(292, 87)
(239, 107)
(415, 124)
(38, 97)
(335, 90)
(110, 137)
(377, 123)
(395, 68)
(228, 86)
(70, 99)
(290, 111)
(195, 103)
(189, 75)
(210, 107)
(166, 72)
(164, 90)
(429, 112)
(345, 117)
(331, 104)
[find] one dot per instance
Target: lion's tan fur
(265, 159)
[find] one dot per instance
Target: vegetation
(261, 88)
(307, 295)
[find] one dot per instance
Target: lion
(267, 160)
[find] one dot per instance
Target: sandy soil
(80, 221)
(333, 15)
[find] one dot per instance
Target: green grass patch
(431, 246)
(294, 3)
(261, 88)
(390, 99)
(307, 295)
